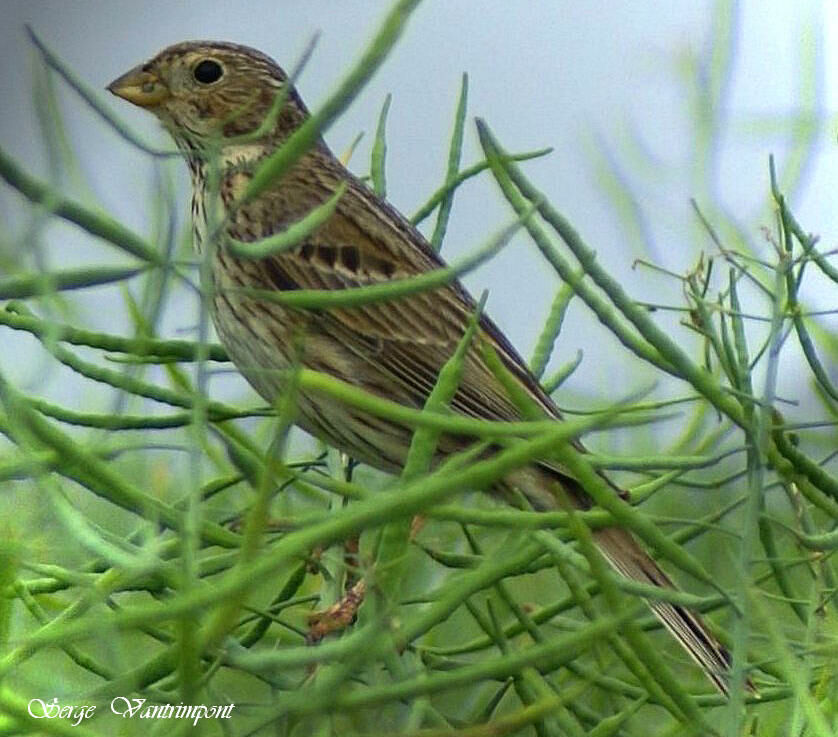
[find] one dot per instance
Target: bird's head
(205, 92)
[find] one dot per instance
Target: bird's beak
(140, 87)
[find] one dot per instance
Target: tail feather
(628, 558)
(625, 554)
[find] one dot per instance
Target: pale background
(595, 80)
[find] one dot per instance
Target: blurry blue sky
(602, 82)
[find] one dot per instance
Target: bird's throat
(217, 181)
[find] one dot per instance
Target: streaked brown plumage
(207, 92)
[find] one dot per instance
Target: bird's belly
(250, 334)
(259, 338)
(264, 340)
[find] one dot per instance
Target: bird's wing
(368, 242)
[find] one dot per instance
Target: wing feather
(408, 340)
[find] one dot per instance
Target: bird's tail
(628, 558)
(624, 553)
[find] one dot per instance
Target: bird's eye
(207, 71)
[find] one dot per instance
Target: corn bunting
(209, 95)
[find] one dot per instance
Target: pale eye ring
(207, 71)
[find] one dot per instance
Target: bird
(216, 100)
